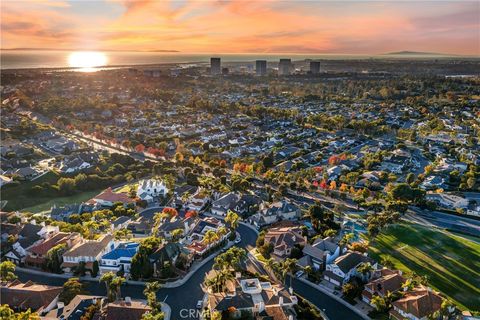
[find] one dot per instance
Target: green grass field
(451, 263)
(46, 204)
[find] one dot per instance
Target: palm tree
(210, 237)
(346, 239)
(387, 262)
(107, 278)
(113, 284)
(123, 234)
(289, 266)
(379, 303)
(408, 285)
(222, 231)
(365, 268)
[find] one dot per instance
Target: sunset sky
(351, 27)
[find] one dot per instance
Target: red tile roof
(110, 196)
(28, 295)
(420, 302)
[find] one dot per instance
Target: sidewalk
(167, 311)
(346, 304)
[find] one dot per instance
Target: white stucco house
(150, 189)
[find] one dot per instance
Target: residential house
(344, 267)
(417, 304)
(225, 203)
(284, 239)
(247, 205)
(125, 310)
(319, 254)
(433, 182)
(119, 259)
(277, 211)
(195, 238)
(169, 253)
(37, 254)
(448, 201)
(26, 173)
(74, 310)
(23, 296)
(151, 189)
(108, 198)
(87, 251)
(252, 296)
(198, 201)
(121, 223)
(167, 226)
(63, 213)
(385, 281)
(30, 235)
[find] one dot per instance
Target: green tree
(232, 219)
(7, 271)
(71, 288)
(150, 292)
(54, 258)
(231, 259)
(113, 284)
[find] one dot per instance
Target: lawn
(46, 204)
(451, 263)
(19, 196)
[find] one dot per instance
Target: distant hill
(416, 53)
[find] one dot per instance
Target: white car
(238, 240)
(299, 274)
(200, 304)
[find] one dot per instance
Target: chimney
(280, 301)
(290, 290)
(128, 300)
(60, 305)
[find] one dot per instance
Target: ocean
(28, 59)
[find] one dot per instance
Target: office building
(284, 67)
(215, 66)
(314, 67)
(261, 67)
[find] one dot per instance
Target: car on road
(299, 274)
(238, 239)
(199, 304)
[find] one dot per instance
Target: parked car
(299, 274)
(238, 240)
(200, 304)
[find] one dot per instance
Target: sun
(87, 60)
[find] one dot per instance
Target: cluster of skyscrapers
(285, 67)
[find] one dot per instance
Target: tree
(54, 258)
(329, 233)
(66, 186)
(216, 315)
(141, 266)
(365, 268)
(95, 269)
(8, 314)
(380, 303)
(387, 262)
(113, 284)
(289, 266)
(210, 237)
(177, 234)
(231, 259)
(7, 271)
(150, 293)
(71, 288)
(232, 219)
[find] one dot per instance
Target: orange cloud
(249, 26)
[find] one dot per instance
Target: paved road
(183, 297)
(332, 308)
(449, 221)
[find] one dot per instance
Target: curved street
(185, 297)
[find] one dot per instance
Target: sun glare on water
(87, 61)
